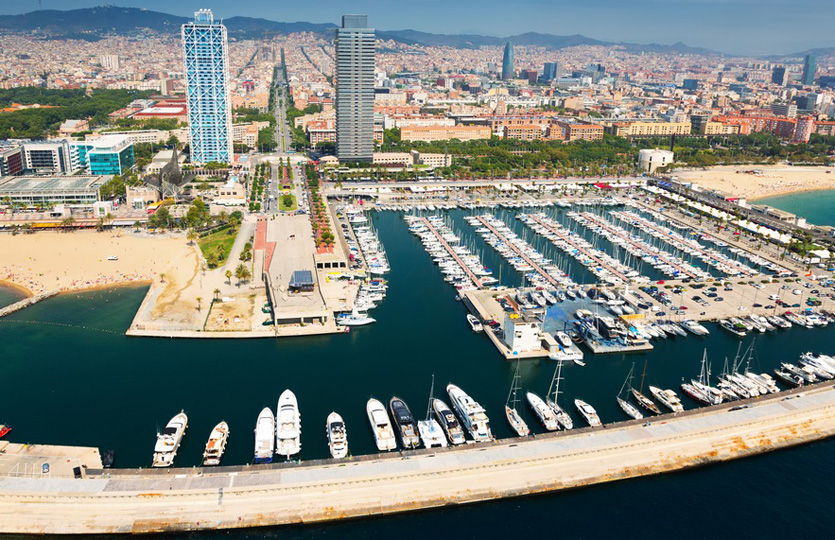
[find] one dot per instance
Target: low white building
(651, 159)
(522, 333)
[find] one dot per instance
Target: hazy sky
(735, 26)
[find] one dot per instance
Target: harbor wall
(140, 501)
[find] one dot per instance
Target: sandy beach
(49, 261)
(768, 181)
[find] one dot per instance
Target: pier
(707, 255)
(148, 501)
(476, 281)
(567, 239)
(667, 258)
(26, 302)
(550, 279)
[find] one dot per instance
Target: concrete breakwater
(141, 501)
(26, 302)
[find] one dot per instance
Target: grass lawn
(284, 208)
(221, 240)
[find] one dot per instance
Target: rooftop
(51, 184)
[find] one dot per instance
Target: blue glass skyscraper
(507, 62)
(207, 89)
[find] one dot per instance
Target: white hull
(168, 442)
(265, 436)
(288, 428)
(380, 425)
(337, 436)
(216, 445)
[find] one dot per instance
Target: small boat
(475, 324)
(630, 409)
(789, 378)
(168, 441)
(448, 421)
(288, 427)
(588, 412)
(380, 425)
(472, 414)
(736, 329)
(216, 445)
(265, 436)
(645, 402)
(4, 429)
(668, 398)
(513, 416)
(545, 413)
(694, 327)
(430, 431)
(337, 436)
(355, 318)
(404, 422)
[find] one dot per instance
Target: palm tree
(242, 273)
(192, 236)
(108, 219)
(162, 278)
(228, 275)
(199, 299)
(216, 294)
(68, 223)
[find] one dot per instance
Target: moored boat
(472, 415)
(448, 421)
(404, 423)
(265, 436)
(474, 323)
(216, 445)
(168, 441)
(288, 428)
(380, 425)
(4, 429)
(588, 412)
(630, 409)
(545, 414)
(645, 402)
(337, 436)
(667, 397)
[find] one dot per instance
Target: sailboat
(643, 400)
(562, 417)
(513, 416)
(627, 407)
(431, 433)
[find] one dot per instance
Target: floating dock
(150, 501)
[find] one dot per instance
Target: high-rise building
(111, 154)
(355, 50)
(507, 62)
(778, 75)
(207, 89)
(109, 61)
(550, 71)
(810, 67)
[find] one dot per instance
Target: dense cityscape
(209, 215)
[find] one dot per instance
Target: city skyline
(714, 24)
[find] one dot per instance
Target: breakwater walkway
(26, 302)
(145, 501)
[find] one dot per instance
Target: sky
(755, 27)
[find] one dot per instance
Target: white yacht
(448, 422)
(216, 445)
(588, 413)
(472, 415)
(546, 414)
(668, 398)
(630, 409)
(165, 450)
(431, 434)
(288, 426)
(337, 436)
(355, 318)
(692, 326)
(380, 425)
(475, 324)
(265, 436)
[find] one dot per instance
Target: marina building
(355, 51)
(207, 89)
(53, 190)
(522, 332)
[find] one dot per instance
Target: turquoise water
(72, 377)
(818, 207)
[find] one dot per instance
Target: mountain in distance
(94, 23)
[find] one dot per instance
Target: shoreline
(73, 290)
(791, 192)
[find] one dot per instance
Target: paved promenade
(141, 501)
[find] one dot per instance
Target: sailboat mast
(431, 395)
